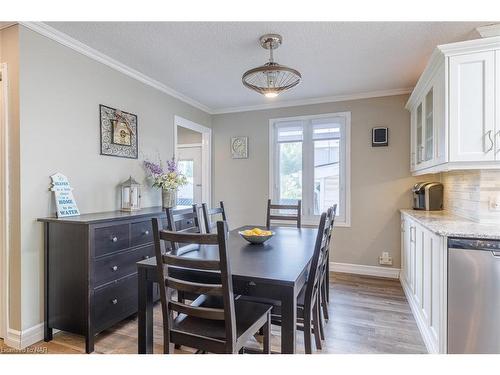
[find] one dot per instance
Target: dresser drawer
(119, 265)
(110, 239)
(115, 302)
(141, 233)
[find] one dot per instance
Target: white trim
(22, 339)
(206, 154)
(419, 318)
(4, 202)
(4, 25)
(346, 162)
(489, 30)
(67, 41)
(189, 145)
(361, 269)
(319, 100)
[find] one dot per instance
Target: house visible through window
(310, 161)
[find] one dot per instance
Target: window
(185, 195)
(310, 161)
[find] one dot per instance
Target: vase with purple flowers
(167, 179)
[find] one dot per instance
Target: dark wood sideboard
(90, 269)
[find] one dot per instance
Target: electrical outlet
(385, 259)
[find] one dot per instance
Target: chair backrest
(184, 221)
(209, 212)
(330, 220)
(320, 252)
(294, 217)
(222, 289)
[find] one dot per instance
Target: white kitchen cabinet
(423, 277)
(472, 107)
(453, 106)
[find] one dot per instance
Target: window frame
(308, 151)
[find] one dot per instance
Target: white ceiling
(205, 60)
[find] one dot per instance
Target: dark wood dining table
(276, 271)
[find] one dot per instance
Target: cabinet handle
(114, 268)
(114, 239)
(491, 141)
(146, 232)
(114, 301)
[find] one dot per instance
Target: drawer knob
(146, 257)
(114, 239)
(114, 301)
(114, 268)
(146, 232)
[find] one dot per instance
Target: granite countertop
(446, 224)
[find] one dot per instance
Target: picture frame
(118, 133)
(239, 147)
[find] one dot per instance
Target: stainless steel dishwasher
(473, 296)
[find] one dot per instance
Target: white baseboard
(417, 314)
(360, 269)
(22, 339)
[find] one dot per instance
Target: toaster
(428, 196)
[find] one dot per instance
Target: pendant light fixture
(271, 79)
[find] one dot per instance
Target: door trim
(206, 154)
(4, 203)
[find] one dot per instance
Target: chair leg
(320, 319)
(266, 329)
(324, 300)
(307, 332)
(316, 324)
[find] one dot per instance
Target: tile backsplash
(467, 193)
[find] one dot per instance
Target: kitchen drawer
(110, 239)
(119, 265)
(115, 302)
(141, 233)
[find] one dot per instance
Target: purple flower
(171, 165)
(154, 169)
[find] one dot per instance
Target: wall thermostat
(380, 137)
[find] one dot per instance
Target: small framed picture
(239, 147)
(119, 135)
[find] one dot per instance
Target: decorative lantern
(131, 195)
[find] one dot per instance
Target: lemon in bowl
(256, 235)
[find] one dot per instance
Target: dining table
(275, 271)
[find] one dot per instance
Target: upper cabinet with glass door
(453, 105)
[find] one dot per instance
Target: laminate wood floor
(367, 315)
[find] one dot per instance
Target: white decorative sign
(63, 193)
(239, 147)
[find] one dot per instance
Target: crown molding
(4, 25)
(64, 39)
(489, 30)
(320, 100)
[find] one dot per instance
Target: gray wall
(60, 93)
(380, 177)
(187, 136)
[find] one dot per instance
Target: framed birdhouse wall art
(119, 135)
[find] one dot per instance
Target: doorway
(193, 144)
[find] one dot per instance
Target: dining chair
(297, 208)
(209, 212)
(186, 221)
(308, 299)
(325, 270)
(214, 322)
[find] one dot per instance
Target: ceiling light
(271, 79)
